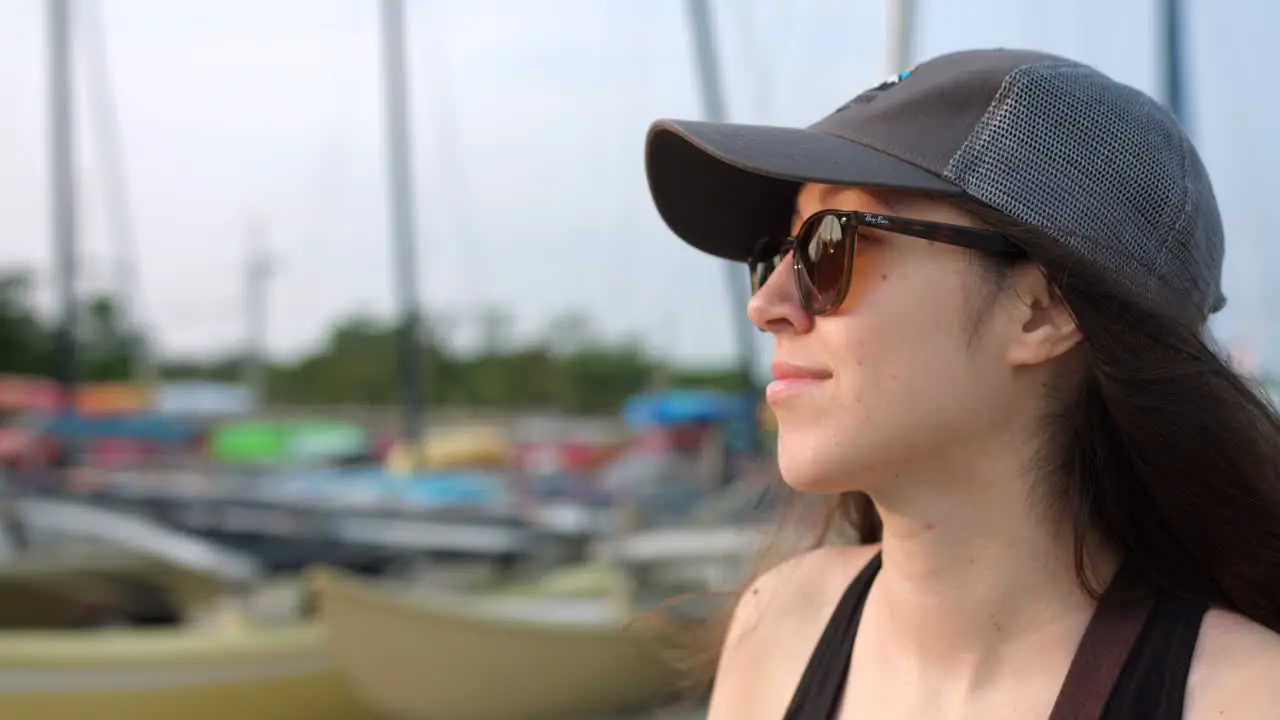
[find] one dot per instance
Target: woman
(987, 280)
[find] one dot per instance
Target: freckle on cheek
(884, 276)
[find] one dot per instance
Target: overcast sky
(528, 123)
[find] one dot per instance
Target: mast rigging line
(713, 109)
(105, 127)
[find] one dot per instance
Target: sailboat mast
(712, 97)
(403, 215)
(1174, 96)
(900, 42)
(62, 191)
(1245, 354)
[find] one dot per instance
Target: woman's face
(904, 373)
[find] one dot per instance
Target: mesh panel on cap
(1104, 169)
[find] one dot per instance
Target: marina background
(346, 370)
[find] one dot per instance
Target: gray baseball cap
(1096, 164)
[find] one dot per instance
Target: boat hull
(130, 673)
(471, 658)
(55, 590)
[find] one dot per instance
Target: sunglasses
(822, 251)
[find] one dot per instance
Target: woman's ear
(1042, 326)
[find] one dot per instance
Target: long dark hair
(1162, 451)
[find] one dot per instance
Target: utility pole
(403, 216)
(259, 271)
(63, 204)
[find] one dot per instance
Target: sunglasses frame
(964, 236)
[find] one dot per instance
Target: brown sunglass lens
(765, 261)
(761, 269)
(823, 254)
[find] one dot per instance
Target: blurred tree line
(567, 369)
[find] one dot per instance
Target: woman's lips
(791, 379)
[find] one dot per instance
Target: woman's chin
(805, 457)
(816, 464)
(807, 476)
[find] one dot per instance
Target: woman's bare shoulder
(1235, 673)
(775, 626)
(793, 590)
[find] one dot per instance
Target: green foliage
(27, 343)
(106, 344)
(568, 369)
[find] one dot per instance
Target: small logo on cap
(893, 79)
(869, 95)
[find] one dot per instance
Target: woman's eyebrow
(885, 203)
(884, 200)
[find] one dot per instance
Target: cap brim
(722, 187)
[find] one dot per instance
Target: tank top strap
(1154, 662)
(1153, 683)
(818, 694)
(1105, 648)
(1135, 656)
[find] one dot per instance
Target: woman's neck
(976, 577)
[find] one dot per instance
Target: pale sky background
(528, 121)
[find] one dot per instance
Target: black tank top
(1151, 686)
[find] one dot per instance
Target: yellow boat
(467, 446)
(264, 673)
(58, 661)
(72, 546)
(72, 589)
(558, 654)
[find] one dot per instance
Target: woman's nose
(776, 306)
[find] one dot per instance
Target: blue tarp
(455, 488)
(203, 399)
(679, 407)
(136, 427)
